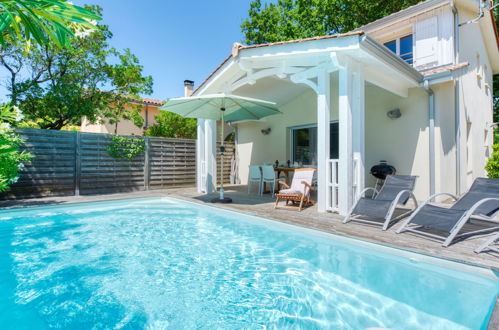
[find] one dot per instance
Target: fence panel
(101, 173)
(69, 163)
(228, 155)
(51, 172)
(172, 163)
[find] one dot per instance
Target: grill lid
(381, 170)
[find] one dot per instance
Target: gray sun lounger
(481, 200)
(396, 190)
(489, 245)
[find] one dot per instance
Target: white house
(433, 61)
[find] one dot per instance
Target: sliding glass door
(304, 144)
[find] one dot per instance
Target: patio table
(286, 171)
(279, 170)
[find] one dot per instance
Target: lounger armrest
(432, 197)
(472, 210)
(307, 185)
(401, 193)
(282, 183)
(363, 192)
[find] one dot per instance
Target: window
(304, 144)
(402, 47)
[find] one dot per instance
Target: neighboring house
(431, 63)
(149, 111)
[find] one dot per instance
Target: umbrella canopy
(209, 106)
(224, 107)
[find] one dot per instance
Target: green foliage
(296, 19)
(56, 87)
(173, 126)
(495, 82)
(12, 159)
(42, 21)
(492, 166)
(126, 147)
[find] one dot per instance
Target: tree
(42, 21)
(55, 87)
(12, 159)
(495, 85)
(173, 126)
(22, 23)
(296, 19)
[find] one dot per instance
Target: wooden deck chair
(299, 191)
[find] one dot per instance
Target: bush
(173, 126)
(11, 158)
(492, 166)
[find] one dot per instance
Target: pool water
(162, 263)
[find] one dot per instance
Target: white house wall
(255, 148)
(475, 101)
(445, 141)
(402, 142)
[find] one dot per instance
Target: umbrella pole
(222, 149)
(222, 198)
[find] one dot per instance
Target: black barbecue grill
(381, 171)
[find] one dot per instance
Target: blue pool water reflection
(161, 263)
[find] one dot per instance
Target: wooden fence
(72, 163)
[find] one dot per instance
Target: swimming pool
(164, 263)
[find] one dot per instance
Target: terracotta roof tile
(150, 101)
(331, 36)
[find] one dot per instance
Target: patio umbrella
(223, 107)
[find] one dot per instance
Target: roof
(451, 67)
(243, 47)
(338, 35)
(149, 101)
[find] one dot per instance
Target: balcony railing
(333, 184)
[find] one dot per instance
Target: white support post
(323, 119)
(345, 167)
(358, 121)
(210, 131)
(200, 157)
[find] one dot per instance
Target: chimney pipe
(188, 87)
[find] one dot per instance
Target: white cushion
(290, 192)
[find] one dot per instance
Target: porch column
(351, 178)
(345, 163)
(358, 121)
(323, 120)
(210, 150)
(200, 157)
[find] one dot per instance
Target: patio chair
(269, 176)
(255, 176)
(396, 190)
(482, 199)
(299, 191)
(489, 245)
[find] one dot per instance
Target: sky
(174, 40)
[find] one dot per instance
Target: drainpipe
(481, 13)
(457, 107)
(431, 124)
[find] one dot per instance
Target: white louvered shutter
(426, 42)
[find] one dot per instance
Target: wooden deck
(461, 251)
